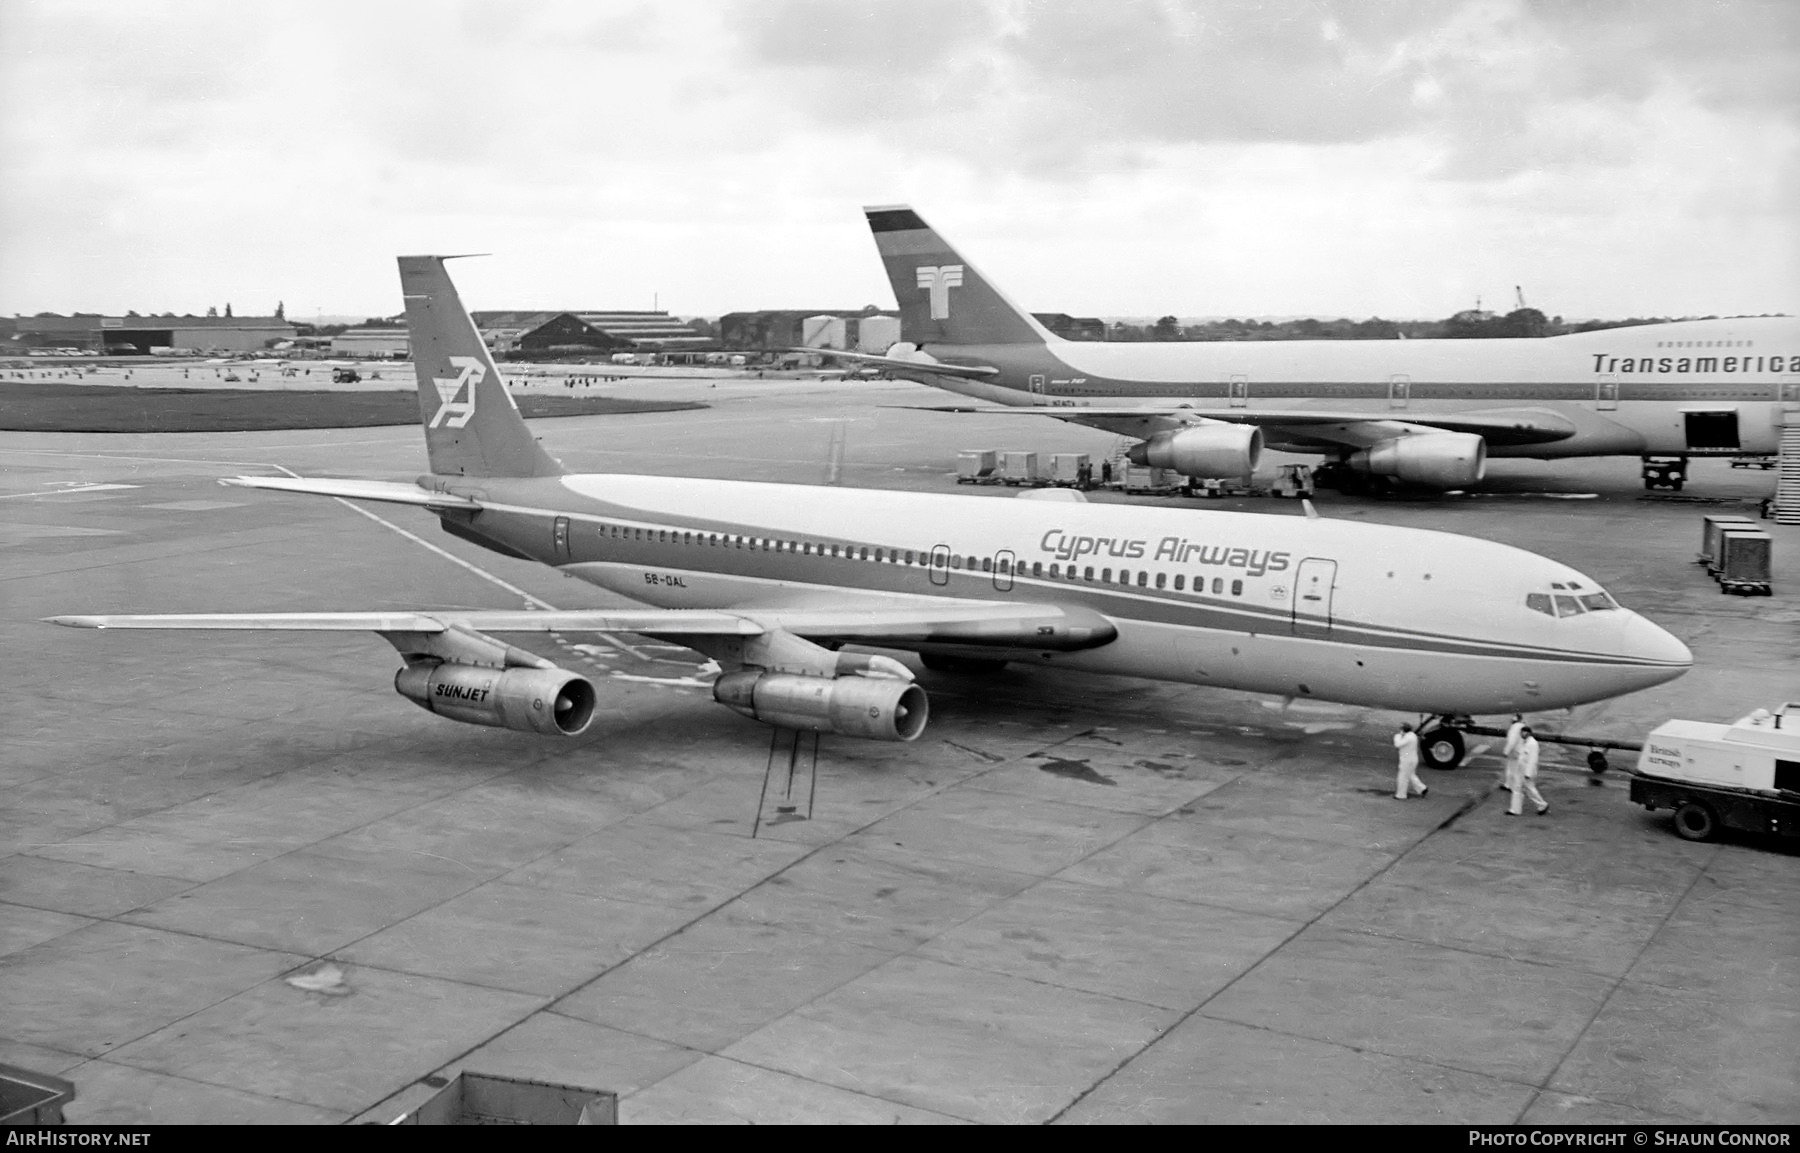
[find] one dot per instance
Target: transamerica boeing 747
(1424, 412)
(772, 580)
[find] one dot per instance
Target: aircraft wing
(964, 622)
(901, 364)
(1336, 426)
(393, 492)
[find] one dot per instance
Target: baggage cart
(1710, 527)
(1743, 566)
(1019, 467)
(1294, 481)
(1745, 775)
(977, 466)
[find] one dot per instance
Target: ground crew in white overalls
(1528, 766)
(1515, 739)
(1407, 742)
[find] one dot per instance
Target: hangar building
(137, 335)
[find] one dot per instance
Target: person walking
(1509, 776)
(1407, 742)
(1526, 785)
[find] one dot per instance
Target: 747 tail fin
(943, 299)
(472, 426)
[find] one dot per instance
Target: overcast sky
(1214, 157)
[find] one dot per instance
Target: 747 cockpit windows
(1569, 601)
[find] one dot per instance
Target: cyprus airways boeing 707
(770, 580)
(1425, 412)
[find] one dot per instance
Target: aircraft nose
(1665, 656)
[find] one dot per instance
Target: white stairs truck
(1745, 775)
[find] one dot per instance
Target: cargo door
(1313, 582)
(940, 565)
(1711, 428)
(1003, 570)
(559, 537)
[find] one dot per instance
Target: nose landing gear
(1441, 744)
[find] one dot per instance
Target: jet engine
(1437, 459)
(1204, 451)
(532, 700)
(876, 708)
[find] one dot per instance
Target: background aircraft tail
(943, 299)
(472, 426)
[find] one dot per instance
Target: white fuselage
(1704, 386)
(1364, 614)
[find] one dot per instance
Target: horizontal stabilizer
(393, 492)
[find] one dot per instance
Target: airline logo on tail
(451, 412)
(939, 281)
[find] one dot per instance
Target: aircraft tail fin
(472, 426)
(943, 299)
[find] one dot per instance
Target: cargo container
(1018, 467)
(1141, 479)
(1710, 527)
(1743, 563)
(1744, 775)
(977, 466)
(1071, 469)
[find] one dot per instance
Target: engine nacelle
(1205, 451)
(1438, 459)
(552, 701)
(875, 708)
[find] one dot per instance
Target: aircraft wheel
(1596, 762)
(1695, 822)
(1441, 748)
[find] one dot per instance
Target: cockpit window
(1598, 602)
(1539, 602)
(1567, 606)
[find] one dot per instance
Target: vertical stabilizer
(943, 299)
(472, 426)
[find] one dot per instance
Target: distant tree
(1522, 322)
(280, 310)
(228, 308)
(1166, 328)
(212, 310)
(131, 312)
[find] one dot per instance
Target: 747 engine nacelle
(1204, 452)
(533, 700)
(1437, 459)
(875, 708)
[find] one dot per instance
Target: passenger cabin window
(1087, 574)
(1161, 579)
(1106, 575)
(1237, 588)
(1218, 586)
(1180, 581)
(1055, 571)
(1143, 577)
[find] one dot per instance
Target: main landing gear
(1665, 472)
(1441, 744)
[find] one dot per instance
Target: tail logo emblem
(451, 412)
(939, 281)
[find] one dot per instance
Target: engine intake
(552, 701)
(875, 708)
(1204, 452)
(1438, 459)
